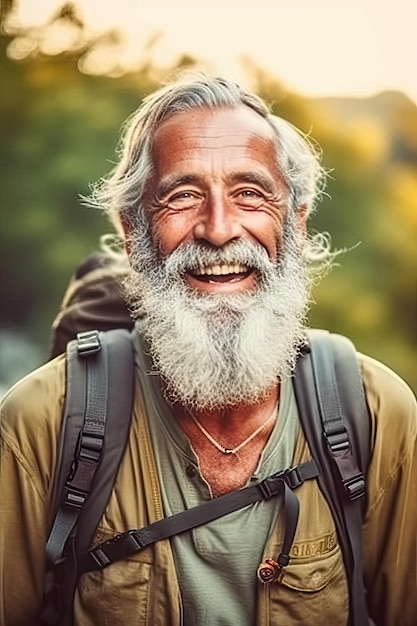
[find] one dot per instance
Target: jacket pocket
(115, 596)
(312, 591)
(118, 594)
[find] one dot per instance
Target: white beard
(219, 350)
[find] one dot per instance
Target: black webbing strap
(132, 541)
(89, 445)
(337, 431)
(291, 513)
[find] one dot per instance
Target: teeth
(222, 270)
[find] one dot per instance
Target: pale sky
(315, 47)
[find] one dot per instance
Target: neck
(230, 428)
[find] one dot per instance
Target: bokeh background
(344, 72)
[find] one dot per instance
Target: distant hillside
(392, 111)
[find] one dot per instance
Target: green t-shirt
(216, 563)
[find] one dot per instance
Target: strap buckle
(88, 342)
(100, 557)
(88, 454)
(271, 485)
(293, 478)
(73, 498)
(90, 446)
(117, 547)
(355, 487)
(338, 440)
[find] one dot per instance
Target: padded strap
(120, 395)
(99, 400)
(338, 433)
(334, 429)
(89, 446)
(132, 541)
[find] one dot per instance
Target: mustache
(190, 257)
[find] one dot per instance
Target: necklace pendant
(231, 451)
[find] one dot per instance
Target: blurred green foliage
(59, 131)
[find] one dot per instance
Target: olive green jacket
(143, 590)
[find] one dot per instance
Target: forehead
(235, 133)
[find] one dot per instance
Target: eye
(250, 193)
(249, 198)
(183, 200)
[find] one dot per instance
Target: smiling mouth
(222, 273)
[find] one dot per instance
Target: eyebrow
(255, 178)
(170, 183)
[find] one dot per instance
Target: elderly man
(212, 194)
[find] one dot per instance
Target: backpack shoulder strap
(337, 428)
(96, 423)
(118, 407)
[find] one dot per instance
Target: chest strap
(132, 541)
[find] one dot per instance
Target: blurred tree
(59, 132)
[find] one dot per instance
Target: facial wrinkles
(198, 195)
(215, 157)
(170, 183)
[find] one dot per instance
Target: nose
(218, 222)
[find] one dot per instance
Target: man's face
(218, 283)
(215, 181)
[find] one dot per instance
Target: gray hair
(120, 194)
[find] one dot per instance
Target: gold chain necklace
(244, 443)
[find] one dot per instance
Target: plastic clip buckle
(73, 498)
(90, 447)
(292, 478)
(135, 539)
(88, 342)
(337, 442)
(271, 486)
(355, 487)
(100, 558)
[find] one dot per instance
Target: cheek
(267, 228)
(170, 230)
